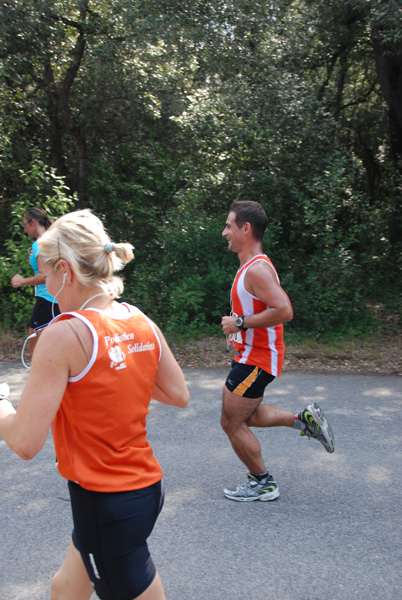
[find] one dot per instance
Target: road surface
(334, 533)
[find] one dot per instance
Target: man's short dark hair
(247, 211)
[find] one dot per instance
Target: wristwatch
(239, 323)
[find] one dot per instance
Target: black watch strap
(240, 323)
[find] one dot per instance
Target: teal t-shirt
(40, 290)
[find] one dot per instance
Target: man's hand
(229, 325)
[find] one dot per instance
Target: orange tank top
(100, 427)
(262, 347)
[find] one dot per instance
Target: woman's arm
(19, 281)
(170, 386)
(25, 430)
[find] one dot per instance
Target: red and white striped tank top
(262, 347)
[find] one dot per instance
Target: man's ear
(247, 227)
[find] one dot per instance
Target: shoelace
(312, 434)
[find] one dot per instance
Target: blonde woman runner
(94, 371)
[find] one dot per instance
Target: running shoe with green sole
(317, 426)
(264, 490)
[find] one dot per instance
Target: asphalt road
(334, 533)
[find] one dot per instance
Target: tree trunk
(61, 118)
(389, 70)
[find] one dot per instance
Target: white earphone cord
(35, 333)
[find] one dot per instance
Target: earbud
(64, 277)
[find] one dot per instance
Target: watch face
(239, 322)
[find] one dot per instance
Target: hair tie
(109, 247)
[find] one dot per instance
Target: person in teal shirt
(36, 222)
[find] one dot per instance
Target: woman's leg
(154, 591)
(71, 580)
(31, 342)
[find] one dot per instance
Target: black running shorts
(247, 381)
(110, 532)
(42, 312)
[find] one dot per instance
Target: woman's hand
(17, 280)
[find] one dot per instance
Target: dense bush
(184, 281)
(159, 117)
(41, 187)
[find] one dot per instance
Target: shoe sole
(320, 419)
(263, 498)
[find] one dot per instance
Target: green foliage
(325, 297)
(161, 114)
(185, 280)
(45, 189)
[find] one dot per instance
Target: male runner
(260, 306)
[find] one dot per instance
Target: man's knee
(226, 418)
(225, 423)
(252, 420)
(231, 426)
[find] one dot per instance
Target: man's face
(232, 233)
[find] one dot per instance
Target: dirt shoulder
(371, 355)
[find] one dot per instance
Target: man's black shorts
(247, 381)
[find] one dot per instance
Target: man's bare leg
(236, 412)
